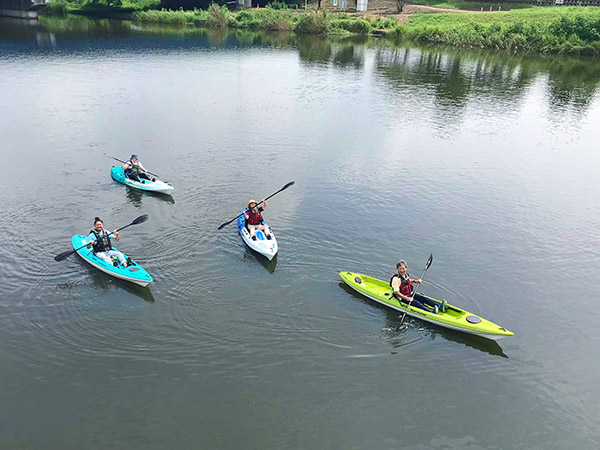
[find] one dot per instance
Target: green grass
(548, 30)
(179, 17)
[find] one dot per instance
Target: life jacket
(102, 243)
(254, 217)
(406, 287)
(135, 167)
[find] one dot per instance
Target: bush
(316, 22)
(358, 26)
(179, 17)
(218, 16)
(277, 5)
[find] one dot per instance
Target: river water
(489, 161)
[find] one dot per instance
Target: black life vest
(102, 243)
(134, 167)
(406, 287)
(254, 217)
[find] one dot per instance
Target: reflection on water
(135, 196)
(106, 283)
(26, 29)
(453, 74)
(456, 74)
(252, 256)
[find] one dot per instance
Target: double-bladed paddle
(125, 162)
(64, 255)
(282, 189)
(429, 261)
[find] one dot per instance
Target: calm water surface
(488, 161)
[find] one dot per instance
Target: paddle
(64, 255)
(429, 261)
(282, 189)
(125, 162)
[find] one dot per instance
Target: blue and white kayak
(161, 187)
(262, 245)
(134, 273)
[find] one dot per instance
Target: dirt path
(390, 8)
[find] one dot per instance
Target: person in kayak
(134, 169)
(404, 289)
(99, 240)
(254, 219)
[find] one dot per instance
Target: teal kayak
(118, 174)
(133, 273)
(453, 318)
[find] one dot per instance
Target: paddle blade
(140, 219)
(223, 225)
(429, 261)
(63, 255)
(287, 185)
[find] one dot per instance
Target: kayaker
(403, 290)
(135, 170)
(254, 219)
(99, 239)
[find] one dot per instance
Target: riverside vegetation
(572, 30)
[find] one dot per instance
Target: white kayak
(159, 186)
(266, 247)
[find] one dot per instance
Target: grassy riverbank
(547, 30)
(573, 30)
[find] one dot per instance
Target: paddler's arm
(406, 298)
(116, 235)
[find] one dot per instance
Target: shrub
(218, 16)
(316, 22)
(277, 5)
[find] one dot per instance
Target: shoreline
(546, 30)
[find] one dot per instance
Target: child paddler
(254, 219)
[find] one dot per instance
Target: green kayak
(454, 318)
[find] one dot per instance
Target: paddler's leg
(265, 229)
(417, 304)
(133, 176)
(104, 257)
(424, 300)
(252, 232)
(119, 255)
